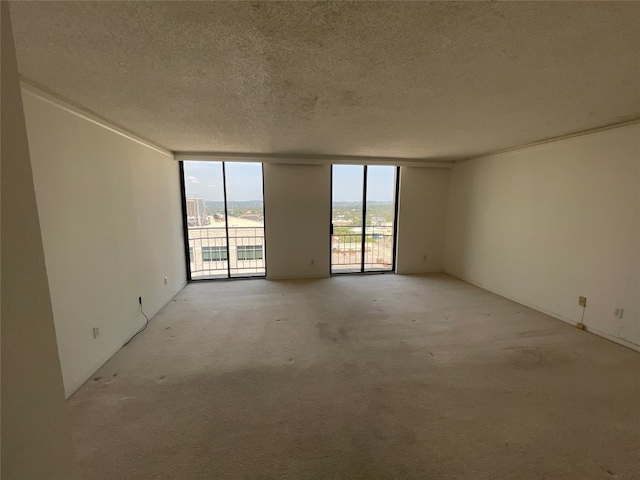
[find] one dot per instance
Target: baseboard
(611, 338)
(594, 331)
(73, 388)
(68, 391)
(418, 272)
(154, 313)
(297, 277)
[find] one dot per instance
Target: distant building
(341, 221)
(256, 217)
(196, 213)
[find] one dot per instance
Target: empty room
(320, 240)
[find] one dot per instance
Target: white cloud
(193, 179)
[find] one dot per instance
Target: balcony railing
(211, 257)
(346, 248)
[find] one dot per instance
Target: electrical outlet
(96, 332)
(582, 301)
(618, 312)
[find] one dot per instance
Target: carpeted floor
(359, 377)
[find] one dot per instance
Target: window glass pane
(206, 230)
(380, 216)
(246, 218)
(346, 218)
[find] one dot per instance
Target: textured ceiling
(431, 80)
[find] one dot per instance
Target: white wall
(297, 201)
(421, 219)
(546, 224)
(36, 440)
(111, 225)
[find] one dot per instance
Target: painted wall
(111, 224)
(546, 224)
(421, 219)
(297, 202)
(36, 440)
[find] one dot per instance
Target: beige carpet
(359, 377)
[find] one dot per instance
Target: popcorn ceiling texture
(417, 80)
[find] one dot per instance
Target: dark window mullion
(185, 225)
(226, 217)
(331, 220)
(394, 231)
(364, 217)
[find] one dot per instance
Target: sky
(244, 181)
(348, 179)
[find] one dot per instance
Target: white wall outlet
(165, 280)
(582, 301)
(618, 312)
(96, 332)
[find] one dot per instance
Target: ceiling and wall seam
(42, 92)
(604, 128)
(47, 95)
(413, 162)
(309, 159)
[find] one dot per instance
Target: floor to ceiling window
(363, 218)
(224, 219)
